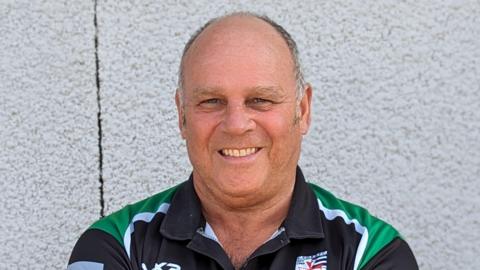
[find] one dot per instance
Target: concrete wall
(396, 123)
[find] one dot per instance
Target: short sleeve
(397, 255)
(97, 250)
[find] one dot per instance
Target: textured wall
(396, 123)
(48, 131)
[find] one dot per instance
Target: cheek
(279, 125)
(284, 135)
(196, 136)
(198, 130)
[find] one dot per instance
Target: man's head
(243, 108)
(292, 46)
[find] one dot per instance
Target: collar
(304, 220)
(184, 217)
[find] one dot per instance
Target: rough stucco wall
(48, 131)
(138, 51)
(396, 125)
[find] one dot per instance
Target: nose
(237, 120)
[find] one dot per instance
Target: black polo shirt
(168, 232)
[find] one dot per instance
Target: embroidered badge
(314, 262)
(163, 266)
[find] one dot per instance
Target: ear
(181, 112)
(305, 109)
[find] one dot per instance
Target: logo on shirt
(163, 266)
(314, 262)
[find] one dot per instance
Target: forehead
(240, 51)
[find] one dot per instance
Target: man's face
(242, 126)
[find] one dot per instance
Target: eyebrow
(273, 92)
(204, 92)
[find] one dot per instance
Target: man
(243, 109)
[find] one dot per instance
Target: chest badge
(163, 266)
(314, 262)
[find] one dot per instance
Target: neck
(244, 224)
(249, 212)
(252, 218)
(270, 214)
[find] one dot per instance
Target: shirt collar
(304, 220)
(184, 217)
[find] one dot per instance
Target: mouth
(239, 152)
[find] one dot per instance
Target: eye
(259, 100)
(259, 103)
(211, 101)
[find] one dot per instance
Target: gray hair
(292, 46)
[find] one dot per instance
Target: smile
(243, 152)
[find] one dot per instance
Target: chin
(241, 191)
(236, 185)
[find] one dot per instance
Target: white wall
(396, 123)
(48, 131)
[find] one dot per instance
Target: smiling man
(243, 109)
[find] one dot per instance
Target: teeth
(239, 152)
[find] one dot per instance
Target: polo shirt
(168, 232)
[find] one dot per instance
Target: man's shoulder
(376, 234)
(334, 207)
(117, 223)
(108, 241)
